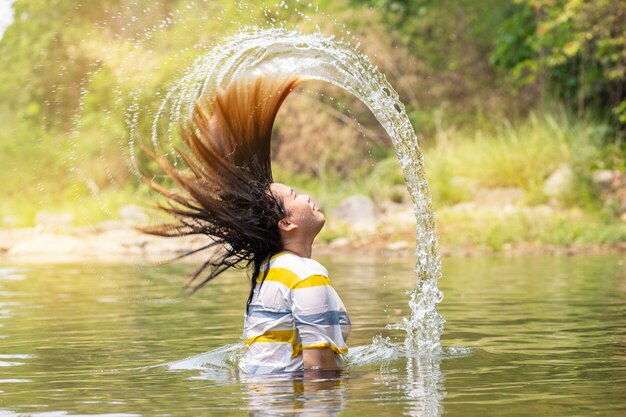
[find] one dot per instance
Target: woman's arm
(319, 359)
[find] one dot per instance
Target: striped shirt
(295, 308)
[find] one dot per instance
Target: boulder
(397, 246)
(559, 183)
(358, 212)
(603, 178)
(612, 186)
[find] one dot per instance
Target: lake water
(537, 336)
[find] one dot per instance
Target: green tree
(574, 48)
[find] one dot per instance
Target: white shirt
(294, 308)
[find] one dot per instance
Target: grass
(459, 165)
(494, 230)
(519, 155)
(511, 156)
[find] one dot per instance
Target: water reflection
(10, 413)
(313, 394)
(546, 338)
(308, 394)
(424, 386)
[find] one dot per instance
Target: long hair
(225, 193)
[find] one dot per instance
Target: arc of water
(312, 56)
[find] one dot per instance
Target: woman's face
(301, 211)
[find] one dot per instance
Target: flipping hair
(226, 193)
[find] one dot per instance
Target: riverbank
(497, 220)
(120, 242)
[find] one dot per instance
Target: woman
(294, 318)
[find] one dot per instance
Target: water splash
(280, 52)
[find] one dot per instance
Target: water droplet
(315, 53)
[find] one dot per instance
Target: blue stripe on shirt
(257, 311)
(327, 318)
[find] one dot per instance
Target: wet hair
(224, 192)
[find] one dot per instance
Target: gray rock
(559, 182)
(397, 246)
(602, 178)
(358, 212)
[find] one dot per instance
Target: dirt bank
(119, 242)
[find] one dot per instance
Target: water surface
(546, 336)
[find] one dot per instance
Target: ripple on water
(10, 413)
(8, 363)
(11, 274)
(282, 53)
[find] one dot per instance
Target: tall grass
(459, 164)
(520, 155)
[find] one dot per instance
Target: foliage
(577, 47)
(449, 41)
(70, 69)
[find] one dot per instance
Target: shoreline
(119, 242)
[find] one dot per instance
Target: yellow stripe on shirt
(278, 336)
(313, 281)
(282, 275)
(293, 281)
(286, 336)
(326, 345)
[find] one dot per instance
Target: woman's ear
(286, 226)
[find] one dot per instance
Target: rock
(46, 245)
(603, 178)
(396, 246)
(53, 221)
(612, 186)
(358, 212)
(133, 214)
(559, 182)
